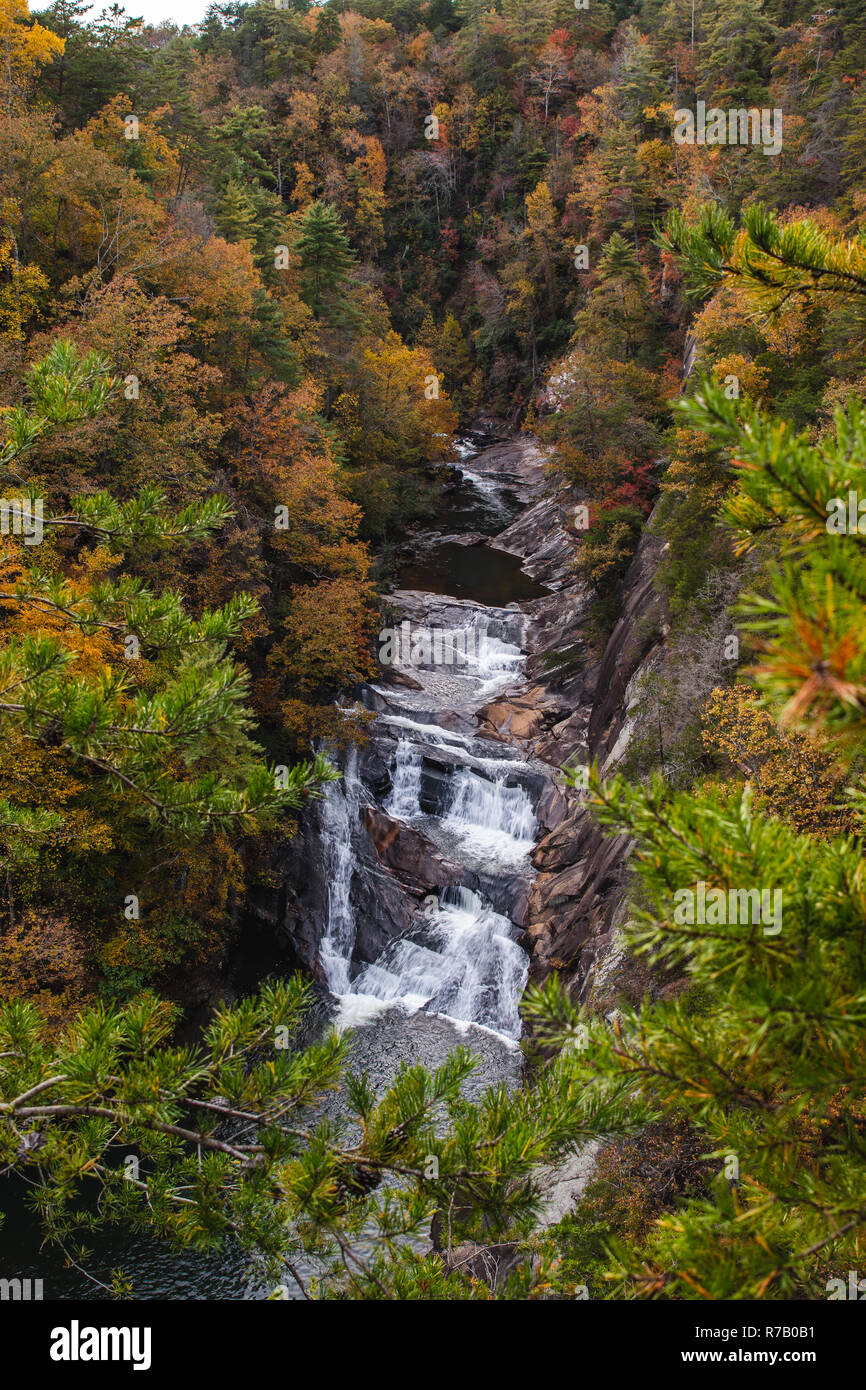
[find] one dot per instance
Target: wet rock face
(386, 902)
(541, 537)
(630, 647)
(573, 899)
(577, 894)
(518, 464)
(409, 855)
(288, 897)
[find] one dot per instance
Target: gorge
(433, 593)
(449, 862)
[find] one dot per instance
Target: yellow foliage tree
(25, 47)
(793, 776)
(401, 415)
(22, 289)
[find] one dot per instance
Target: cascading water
(492, 817)
(460, 958)
(464, 962)
(339, 811)
(404, 800)
(495, 663)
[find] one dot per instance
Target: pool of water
(154, 1269)
(477, 572)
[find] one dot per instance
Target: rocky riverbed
(458, 790)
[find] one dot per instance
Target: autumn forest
(274, 290)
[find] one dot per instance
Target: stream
(464, 798)
(423, 855)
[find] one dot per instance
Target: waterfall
(462, 959)
(498, 664)
(404, 799)
(463, 962)
(489, 817)
(431, 733)
(459, 958)
(339, 816)
(492, 817)
(488, 488)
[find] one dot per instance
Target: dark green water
(491, 577)
(155, 1270)
(472, 503)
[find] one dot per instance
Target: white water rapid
(339, 809)
(466, 965)
(470, 796)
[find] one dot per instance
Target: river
(459, 804)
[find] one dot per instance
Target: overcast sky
(179, 12)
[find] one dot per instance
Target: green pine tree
(326, 261)
(157, 747)
(328, 33)
(235, 215)
(762, 1056)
